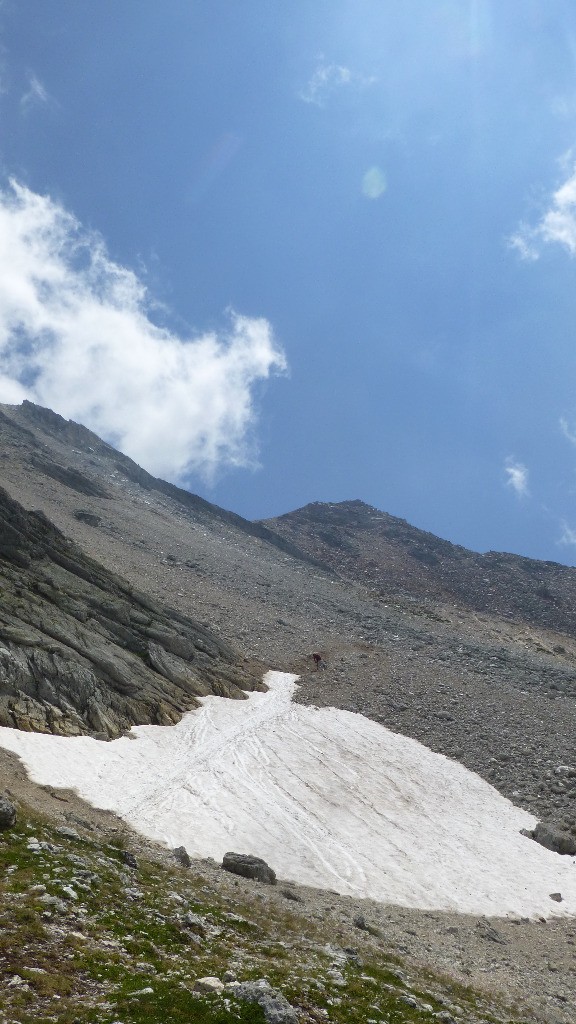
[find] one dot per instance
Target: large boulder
(249, 867)
(552, 839)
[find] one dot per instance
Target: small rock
(133, 894)
(129, 859)
(208, 985)
(277, 1009)
(556, 896)
(486, 931)
(352, 954)
(195, 923)
(70, 892)
(289, 894)
(68, 833)
(182, 856)
(7, 813)
(17, 982)
(54, 902)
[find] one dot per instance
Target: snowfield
(328, 798)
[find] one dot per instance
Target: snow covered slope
(328, 798)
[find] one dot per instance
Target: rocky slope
(462, 651)
(98, 926)
(492, 689)
(82, 651)
(367, 546)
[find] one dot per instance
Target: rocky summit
(125, 598)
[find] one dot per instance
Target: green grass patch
(86, 961)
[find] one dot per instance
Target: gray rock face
(182, 856)
(82, 652)
(7, 813)
(553, 839)
(249, 867)
(277, 1009)
(356, 539)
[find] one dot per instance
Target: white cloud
(563, 106)
(556, 226)
(567, 431)
(76, 335)
(524, 242)
(568, 535)
(328, 79)
(325, 80)
(374, 183)
(517, 477)
(35, 95)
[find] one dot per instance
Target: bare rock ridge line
(77, 435)
(81, 651)
(383, 552)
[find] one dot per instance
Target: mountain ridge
(489, 683)
(359, 541)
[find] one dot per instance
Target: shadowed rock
(82, 652)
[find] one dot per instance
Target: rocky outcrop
(82, 652)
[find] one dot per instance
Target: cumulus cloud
(517, 477)
(76, 335)
(556, 226)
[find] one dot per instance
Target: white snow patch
(327, 797)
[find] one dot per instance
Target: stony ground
(493, 691)
(88, 937)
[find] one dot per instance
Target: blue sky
(310, 251)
